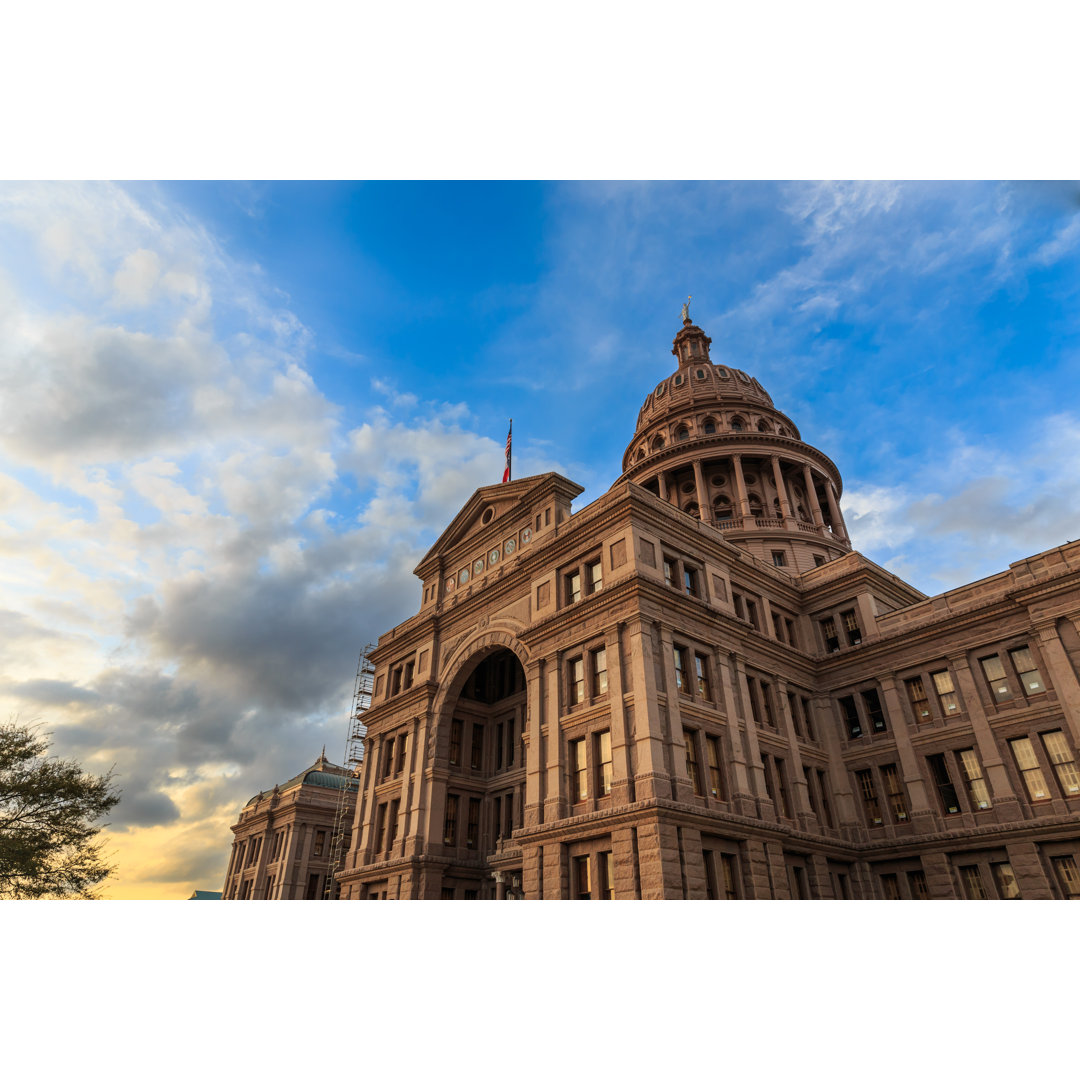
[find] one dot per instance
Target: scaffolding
(363, 688)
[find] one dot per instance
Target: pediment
(488, 509)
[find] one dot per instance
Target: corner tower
(710, 442)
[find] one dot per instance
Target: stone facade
(283, 839)
(694, 688)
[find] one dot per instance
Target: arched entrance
(480, 752)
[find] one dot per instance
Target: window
(690, 581)
(807, 719)
(751, 614)
(448, 892)
(682, 664)
(1027, 671)
(828, 631)
(917, 885)
(1067, 875)
(599, 671)
(450, 826)
(727, 868)
(476, 758)
(472, 832)
(499, 746)
(890, 888)
(607, 875)
(576, 681)
(782, 786)
(1005, 880)
(1061, 757)
(872, 703)
(978, 792)
(669, 572)
(582, 879)
(994, 670)
(508, 807)
(946, 692)
(391, 830)
(851, 717)
(312, 890)
(851, 625)
(603, 764)
(380, 826)
(766, 701)
(737, 603)
(455, 742)
(920, 703)
(320, 842)
(946, 792)
(682, 434)
(823, 787)
(407, 679)
(710, 427)
(778, 559)
(579, 773)
(472, 894)
(819, 560)
(701, 667)
(388, 758)
(594, 577)
(402, 748)
(712, 752)
(894, 792)
(865, 780)
(690, 738)
(573, 587)
(269, 888)
(972, 881)
(1028, 764)
(789, 625)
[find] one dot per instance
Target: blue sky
(236, 415)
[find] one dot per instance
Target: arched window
(682, 434)
(710, 426)
(762, 426)
(722, 508)
(737, 423)
(693, 510)
(641, 453)
(755, 506)
(658, 442)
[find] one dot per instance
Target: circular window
(493, 556)
(526, 535)
(719, 480)
(488, 514)
(750, 478)
(687, 489)
(463, 577)
(510, 546)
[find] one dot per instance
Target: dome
(710, 441)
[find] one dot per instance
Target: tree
(49, 814)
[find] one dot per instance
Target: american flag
(506, 471)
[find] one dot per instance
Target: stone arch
(465, 658)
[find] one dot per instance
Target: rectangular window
(865, 780)
(769, 789)
(973, 885)
(476, 758)
(728, 872)
(751, 614)
(778, 632)
(920, 703)
(510, 742)
(851, 627)
(890, 887)
(582, 878)
(894, 792)
(682, 670)
(789, 625)
(473, 894)
(402, 750)
(823, 787)
(828, 632)
(576, 680)
(312, 890)
(940, 772)
(1061, 757)
(971, 770)
(499, 746)
(496, 815)
(603, 764)
(946, 692)
(450, 826)
(448, 892)
(508, 809)
(1028, 764)
(690, 738)
(269, 889)
(766, 701)
(819, 560)
(690, 582)
(599, 671)
(669, 572)
(1027, 671)
(755, 708)
(1067, 875)
(579, 773)
(811, 794)
(606, 860)
(851, 717)
(391, 827)
(778, 559)
(712, 751)
(380, 826)
(1005, 880)
(917, 885)
(782, 787)
(594, 577)
(472, 832)
(737, 602)
(872, 704)
(807, 719)
(573, 587)
(407, 678)
(388, 758)
(701, 667)
(994, 670)
(455, 742)
(320, 842)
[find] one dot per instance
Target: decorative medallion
(510, 546)
(493, 556)
(463, 577)
(478, 567)
(526, 535)
(450, 583)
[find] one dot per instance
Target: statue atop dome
(686, 311)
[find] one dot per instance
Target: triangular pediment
(488, 509)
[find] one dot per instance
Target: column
(834, 510)
(554, 749)
(923, 817)
(845, 810)
(622, 783)
(681, 785)
(652, 778)
(1062, 676)
(781, 491)
(740, 488)
(704, 506)
(1006, 804)
(417, 786)
(811, 495)
(663, 485)
(804, 812)
(755, 766)
(534, 786)
(742, 792)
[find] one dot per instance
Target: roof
(204, 894)
(323, 773)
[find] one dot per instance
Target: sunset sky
(233, 417)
